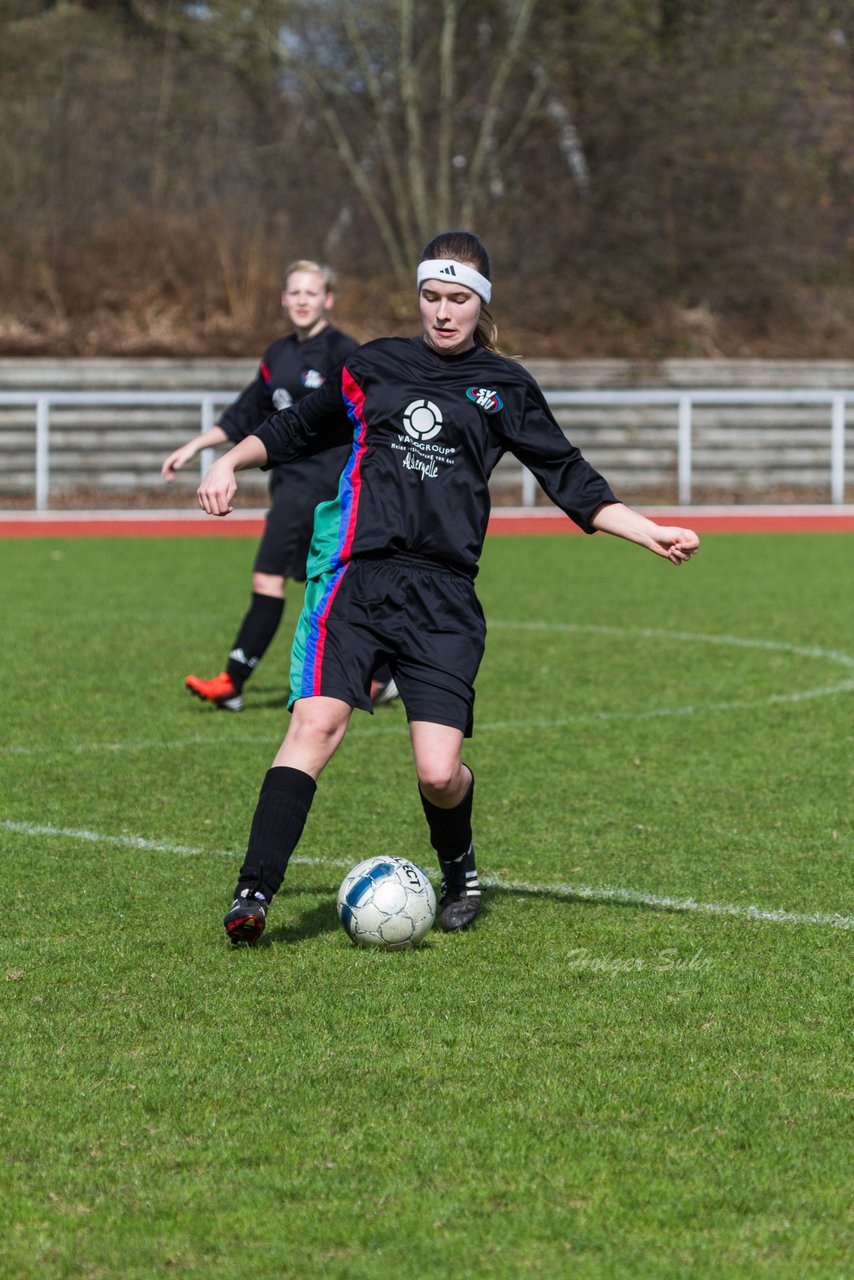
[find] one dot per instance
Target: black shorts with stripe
(422, 619)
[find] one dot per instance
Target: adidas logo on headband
(442, 268)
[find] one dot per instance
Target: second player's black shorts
(284, 545)
(422, 619)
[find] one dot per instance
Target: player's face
(307, 301)
(449, 314)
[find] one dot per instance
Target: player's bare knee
(440, 783)
(319, 732)
(269, 584)
(317, 724)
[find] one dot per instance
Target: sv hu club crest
(485, 398)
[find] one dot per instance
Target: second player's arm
(219, 485)
(320, 421)
(206, 440)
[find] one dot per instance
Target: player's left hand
(675, 544)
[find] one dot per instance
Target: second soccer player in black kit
(292, 367)
(394, 556)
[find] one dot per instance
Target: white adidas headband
(456, 272)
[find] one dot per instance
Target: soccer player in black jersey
(394, 556)
(292, 368)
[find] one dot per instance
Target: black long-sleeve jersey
(289, 371)
(425, 432)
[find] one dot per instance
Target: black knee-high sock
(253, 639)
(280, 815)
(451, 837)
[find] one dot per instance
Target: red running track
(508, 521)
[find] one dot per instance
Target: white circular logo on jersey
(422, 419)
(281, 398)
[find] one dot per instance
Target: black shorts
(284, 545)
(424, 621)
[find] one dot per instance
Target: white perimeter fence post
(837, 450)
(206, 457)
(683, 447)
(42, 452)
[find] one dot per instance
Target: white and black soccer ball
(386, 902)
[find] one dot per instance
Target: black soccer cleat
(247, 917)
(459, 900)
(458, 908)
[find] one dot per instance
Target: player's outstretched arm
(188, 451)
(670, 541)
(219, 485)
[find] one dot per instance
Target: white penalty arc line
(701, 637)
(844, 660)
(399, 728)
(602, 894)
(793, 697)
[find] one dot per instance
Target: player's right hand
(217, 489)
(176, 461)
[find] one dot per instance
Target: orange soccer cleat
(221, 691)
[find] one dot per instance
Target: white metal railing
(683, 399)
(45, 400)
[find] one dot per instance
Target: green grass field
(595, 1081)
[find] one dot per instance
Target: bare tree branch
(367, 190)
(447, 49)
(400, 200)
(412, 118)
(492, 108)
(348, 157)
(524, 120)
(569, 140)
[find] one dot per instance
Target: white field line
(794, 696)
(693, 637)
(399, 728)
(604, 894)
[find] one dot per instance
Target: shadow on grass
(266, 697)
(317, 920)
(323, 918)
(257, 697)
(605, 899)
